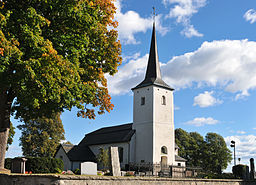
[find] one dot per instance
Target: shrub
(77, 171)
(241, 171)
(215, 176)
(57, 170)
(44, 165)
(100, 173)
(8, 163)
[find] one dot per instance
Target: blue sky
(207, 50)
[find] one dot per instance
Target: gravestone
(114, 161)
(18, 165)
(88, 168)
(252, 168)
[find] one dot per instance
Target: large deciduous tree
(40, 137)
(53, 56)
(210, 153)
(11, 135)
(216, 152)
(191, 145)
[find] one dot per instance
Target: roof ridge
(109, 127)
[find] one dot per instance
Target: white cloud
(182, 11)
(128, 76)
(250, 15)
(229, 64)
(254, 128)
(206, 99)
(202, 121)
(129, 57)
(245, 147)
(13, 151)
(241, 132)
(189, 31)
(130, 23)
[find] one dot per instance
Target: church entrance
(164, 165)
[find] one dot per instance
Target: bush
(100, 173)
(39, 165)
(241, 171)
(8, 163)
(44, 165)
(215, 176)
(77, 171)
(57, 170)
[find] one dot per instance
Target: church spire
(153, 68)
(153, 73)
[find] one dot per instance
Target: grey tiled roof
(178, 158)
(114, 134)
(176, 146)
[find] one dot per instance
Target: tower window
(142, 101)
(163, 150)
(163, 100)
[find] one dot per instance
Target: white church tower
(154, 140)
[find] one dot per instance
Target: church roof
(78, 153)
(113, 134)
(178, 158)
(153, 73)
(81, 153)
(176, 146)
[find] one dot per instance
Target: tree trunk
(6, 98)
(3, 143)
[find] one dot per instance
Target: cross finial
(154, 14)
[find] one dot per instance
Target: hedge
(40, 165)
(241, 171)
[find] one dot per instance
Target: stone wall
(98, 180)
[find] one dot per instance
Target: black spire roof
(153, 74)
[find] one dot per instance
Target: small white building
(149, 140)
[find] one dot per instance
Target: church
(149, 140)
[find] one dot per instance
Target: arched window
(121, 154)
(163, 100)
(163, 150)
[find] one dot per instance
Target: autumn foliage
(54, 55)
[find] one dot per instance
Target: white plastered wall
(142, 123)
(66, 161)
(96, 148)
(163, 125)
(180, 163)
(154, 125)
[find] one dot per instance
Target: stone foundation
(13, 179)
